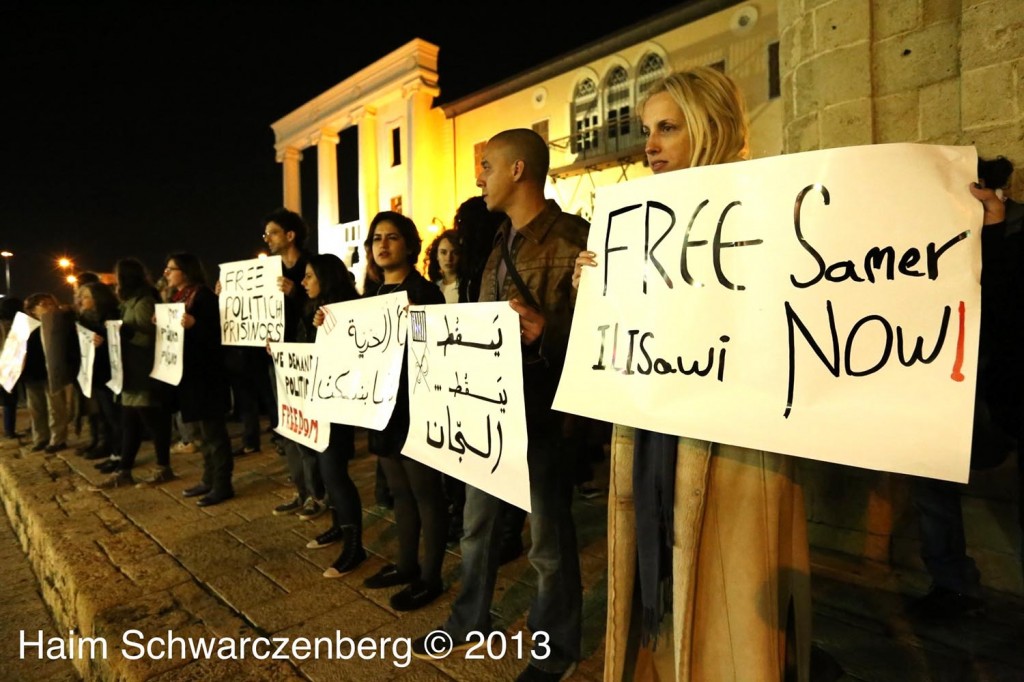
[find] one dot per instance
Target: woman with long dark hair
(143, 400)
(418, 490)
(202, 395)
(97, 305)
(328, 281)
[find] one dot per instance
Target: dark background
(140, 131)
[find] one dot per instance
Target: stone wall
(931, 71)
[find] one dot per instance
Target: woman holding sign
(97, 305)
(418, 490)
(720, 528)
(202, 395)
(143, 400)
(327, 280)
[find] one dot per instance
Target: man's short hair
(290, 221)
(527, 145)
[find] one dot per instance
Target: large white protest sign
(87, 357)
(169, 352)
(295, 367)
(466, 412)
(116, 382)
(363, 343)
(251, 304)
(12, 357)
(823, 304)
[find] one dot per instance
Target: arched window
(651, 68)
(586, 120)
(618, 103)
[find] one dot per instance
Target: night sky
(140, 131)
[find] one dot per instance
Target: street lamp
(6, 255)
(64, 263)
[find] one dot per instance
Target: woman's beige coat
(740, 559)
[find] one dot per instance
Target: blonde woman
(731, 546)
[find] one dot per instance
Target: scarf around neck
(654, 479)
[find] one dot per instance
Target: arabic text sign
(116, 382)
(823, 304)
(251, 304)
(87, 353)
(169, 352)
(362, 345)
(466, 411)
(294, 366)
(12, 356)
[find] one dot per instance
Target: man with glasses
(285, 232)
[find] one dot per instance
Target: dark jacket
(203, 391)
(389, 441)
(544, 253)
(138, 341)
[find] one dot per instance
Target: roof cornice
(637, 33)
(413, 63)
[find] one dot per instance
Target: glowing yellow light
(71, 279)
(64, 262)
(261, 254)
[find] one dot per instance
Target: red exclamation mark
(957, 375)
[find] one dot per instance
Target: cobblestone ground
(147, 559)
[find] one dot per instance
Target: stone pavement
(146, 559)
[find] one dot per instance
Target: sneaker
(159, 475)
(329, 537)
(183, 448)
(214, 498)
(245, 450)
(416, 595)
(122, 479)
(196, 490)
(389, 576)
(290, 507)
(108, 466)
(97, 453)
(437, 645)
(55, 448)
(531, 673)
(942, 602)
(311, 510)
(351, 557)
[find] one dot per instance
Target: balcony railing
(611, 144)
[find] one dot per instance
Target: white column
(289, 158)
(326, 142)
(369, 181)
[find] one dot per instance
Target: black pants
(156, 420)
(109, 420)
(342, 494)
(218, 464)
(419, 505)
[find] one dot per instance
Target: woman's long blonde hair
(716, 118)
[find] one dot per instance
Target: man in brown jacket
(541, 243)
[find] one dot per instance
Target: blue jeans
(556, 609)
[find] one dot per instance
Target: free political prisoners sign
(467, 418)
(823, 304)
(251, 304)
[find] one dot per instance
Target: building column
(326, 143)
(289, 158)
(426, 189)
(365, 118)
